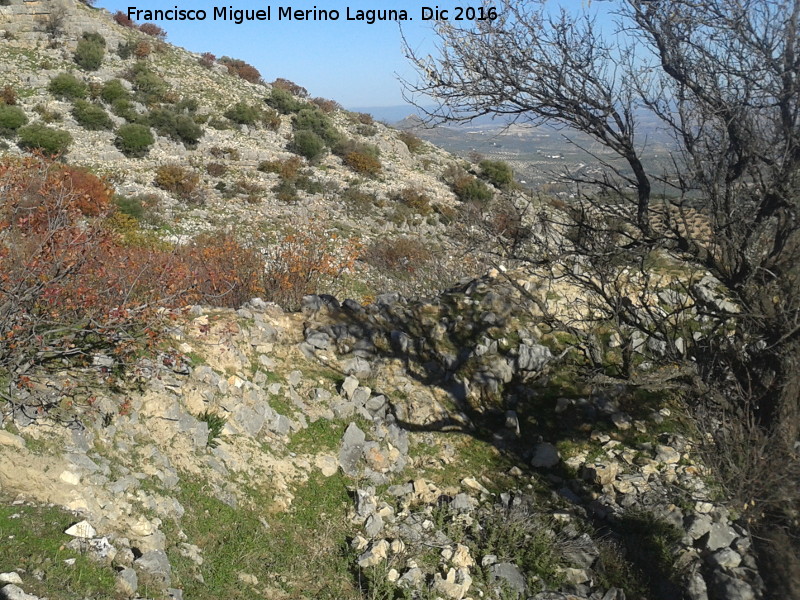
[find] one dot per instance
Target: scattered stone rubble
(101, 467)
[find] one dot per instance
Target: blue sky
(351, 62)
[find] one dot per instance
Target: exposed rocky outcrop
(391, 378)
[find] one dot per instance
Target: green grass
(642, 559)
(320, 436)
(32, 538)
(300, 553)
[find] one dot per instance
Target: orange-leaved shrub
(74, 282)
(305, 262)
(241, 69)
(180, 181)
(362, 163)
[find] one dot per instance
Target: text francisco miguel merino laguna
(287, 13)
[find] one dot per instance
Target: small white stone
(82, 529)
(70, 477)
(11, 577)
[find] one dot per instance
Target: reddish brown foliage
(325, 105)
(153, 30)
(122, 19)
(8, 95)
(241, 69)
(70, 285)
(143, 49)
(291, 87)
(207, 59)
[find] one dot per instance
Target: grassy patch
(320, 436)
(641, 557)
(32, 538)
(301, 553)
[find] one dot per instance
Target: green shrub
(243, 113)
(11, 119)
(91, 116)
(125, 51)
(122, 107)
(134, 140)
(309, 185)
(131, 206)
(313, 119)
(149, 85)
(90, 51)
(367, 130)
(283, 101)
(113, 90)
(290, 86)
(44, 139)
(216, 423)
(94, 38)
(307, 144)
(345, 146)
(187, 105)
(68, 87)
(469, 188)
(47, 115)
(178, 127)
(286, 191)
(497, 172)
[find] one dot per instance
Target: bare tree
(722, 79)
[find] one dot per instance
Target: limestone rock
(545, 456)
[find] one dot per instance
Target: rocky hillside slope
(371, 446)
(230, 140)
(437, 449)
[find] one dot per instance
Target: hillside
(254, 346)
(241, 167)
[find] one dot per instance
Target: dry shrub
(505, 222)
(8, 95)
(143, 49)
(364, 118)
(291, 87)
(241, 69)
(414, 144)
(61, 292)
(288, 168)
(306, 261)
(402, 254)
(216, 169)
(70, 288)
(362, 163)
(153, 30)
(207, 59)
(180, 181)
(249, 189)
(122, 19)
(325, 105)
(228, 152)
(415, 199)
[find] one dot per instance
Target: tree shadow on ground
(442, 344)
